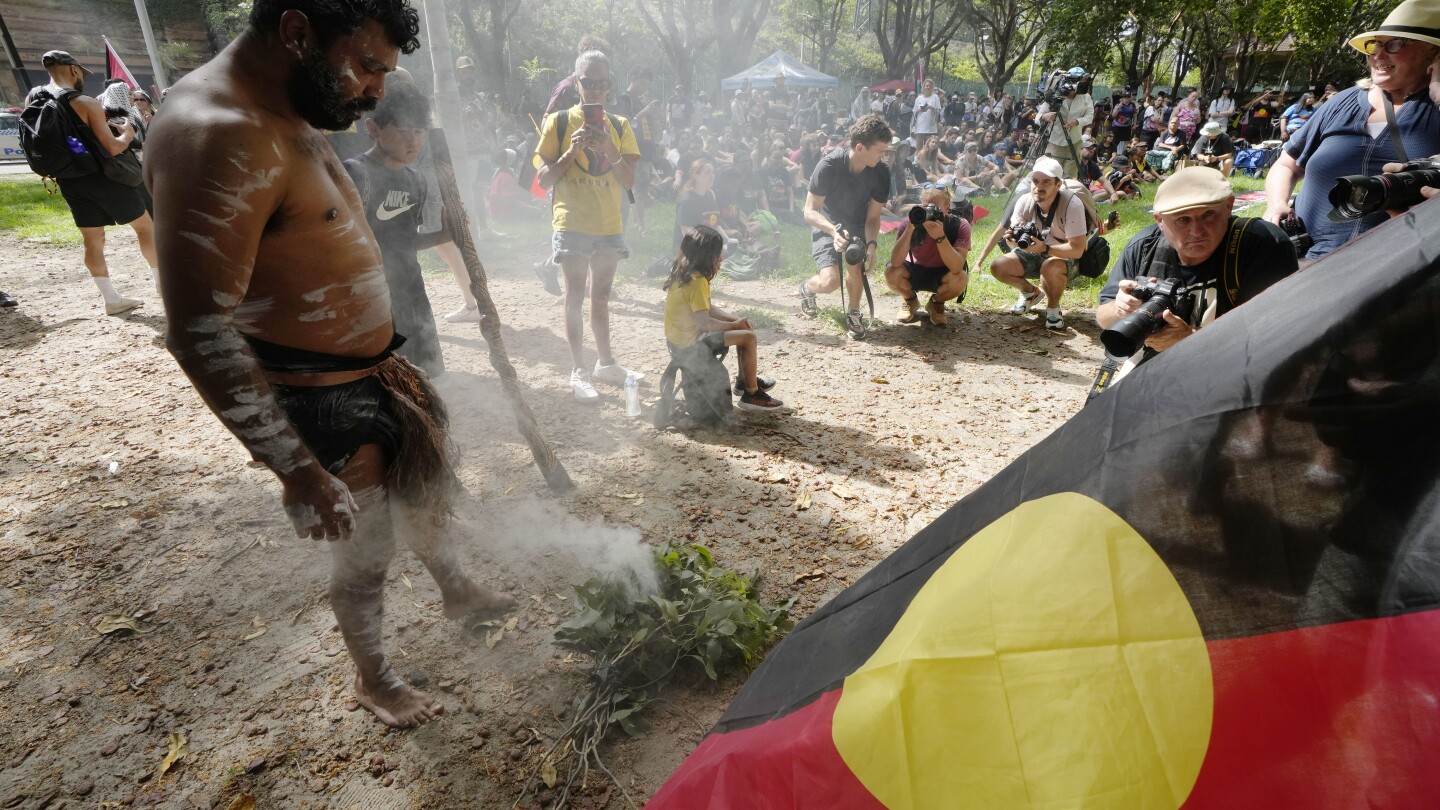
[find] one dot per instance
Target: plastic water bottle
(632, 395)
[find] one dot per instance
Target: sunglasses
(594, 84)
(1371, 46)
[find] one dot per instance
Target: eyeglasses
(594, 84)
(1396, 45)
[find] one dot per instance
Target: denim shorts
(571, 243)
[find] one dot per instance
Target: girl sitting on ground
(693, 324)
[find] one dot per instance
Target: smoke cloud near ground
(533, 528)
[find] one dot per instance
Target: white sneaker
(1025, 302)
(1054, 320)
(464, 315)
(615, 374)
(581, 387)
(122, 306)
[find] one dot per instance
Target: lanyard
(1394, 129)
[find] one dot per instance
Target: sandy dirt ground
(120, 494)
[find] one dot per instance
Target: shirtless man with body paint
(280, 315)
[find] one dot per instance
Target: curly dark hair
(334, 18)
(403, 105)
(868, 130)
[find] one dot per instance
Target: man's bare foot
(400, 705)
(478, 603)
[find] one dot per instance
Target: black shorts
(335, 420)
(925, 279)
(97, 201)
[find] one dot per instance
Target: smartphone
(594, 115)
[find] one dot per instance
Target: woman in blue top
(1350, 133)
(1294, 118)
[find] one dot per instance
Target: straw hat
(1412, 19)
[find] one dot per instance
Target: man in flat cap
(95, 200)
(1197, 239)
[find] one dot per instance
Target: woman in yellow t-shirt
(693, 324)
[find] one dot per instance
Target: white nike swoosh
(385, 214)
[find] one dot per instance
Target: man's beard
(318, 95)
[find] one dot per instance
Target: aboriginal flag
(1214, 587)
(115, 69)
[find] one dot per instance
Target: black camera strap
(1394, 128)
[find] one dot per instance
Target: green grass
(28, 212)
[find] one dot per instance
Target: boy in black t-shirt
(393, 195)
(846, 195)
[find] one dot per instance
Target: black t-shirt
(1090, 170)
(695, 209)
(1220, 146)
(1265, 257)
(848, 194)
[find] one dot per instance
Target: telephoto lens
(1128, 334)
(1357, 195)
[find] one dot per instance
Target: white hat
(1211, 129)
(1086, 141)
(1048, 166)
(1412, 19)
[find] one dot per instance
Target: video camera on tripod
(1060, 83)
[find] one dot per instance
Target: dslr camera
(1027, 235)
(1294, 227)
(921, 214)
(854, 248)
(1129, 333)
(1357, 196)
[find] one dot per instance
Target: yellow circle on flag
(1052, 661)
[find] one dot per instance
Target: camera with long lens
(1129, 333)
(854, 248)
(1294, 228)
(921, 214)
(1027, 235)
(1355, 196)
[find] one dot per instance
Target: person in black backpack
(59, 118)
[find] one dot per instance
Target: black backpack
(704, 380)
(54, 144)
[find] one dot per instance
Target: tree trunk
(736, 24)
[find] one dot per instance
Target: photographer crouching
(929, 256)
(1196, 253)
(1047, 235)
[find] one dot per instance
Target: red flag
(115, 69)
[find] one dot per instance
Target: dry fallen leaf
(260, 629)
(115, 624)
(493, 637)
(860, 542)
(117, 504)
(548, 775)
(816, 574)
(510, 489)
(842, 493)
(1037, 351)
(802, 501)
(778, 478)
(179, 747)
(510, 625)
(242, 802)
(879, 381)
(406, 580)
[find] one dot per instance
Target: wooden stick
(459, 225)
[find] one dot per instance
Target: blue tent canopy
(797, 74)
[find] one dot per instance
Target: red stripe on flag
(786, 763)
(115, 68)
(1339, 715)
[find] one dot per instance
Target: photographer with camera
(847, 193)
(929, 256)
(1388, 119)
(1068, 105)
(1047, 235)
(1195, 248)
